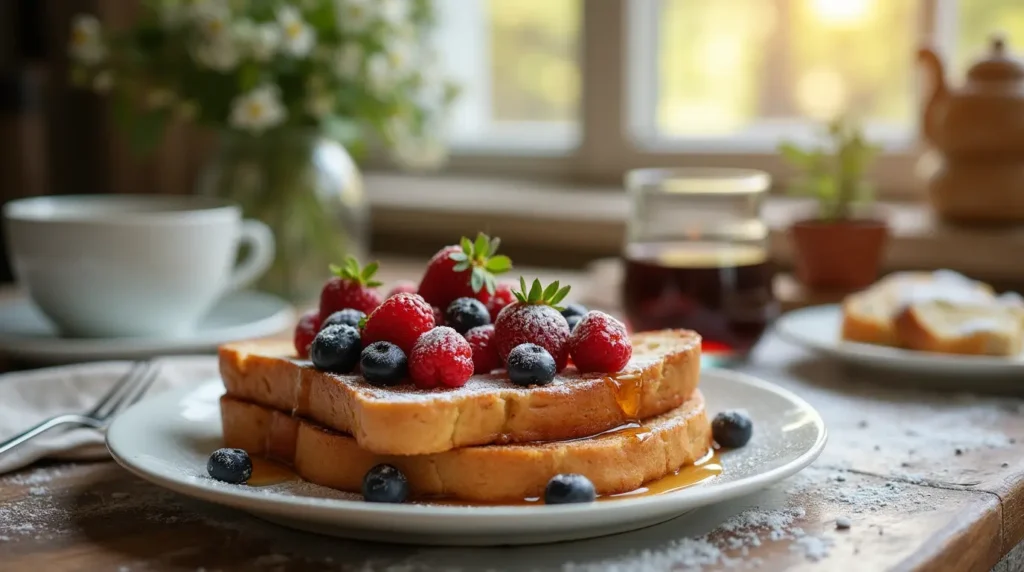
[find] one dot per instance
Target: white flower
(298, 36)
(394, 12)
(258, 109)
(221, 55)
(319, 105)
(354, 16)
(349, 60)
(213, 20)
(103, 82)
(86, 44)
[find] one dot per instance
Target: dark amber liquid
(723, 291)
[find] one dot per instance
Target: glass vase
(307, 189)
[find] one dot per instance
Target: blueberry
(230, 465)
(530, 364)
(732, 429)
(574, 309)
(385, 483)
(569, 488)
(383, 363)
(464, 314)
(348, 316)
(336, 349)
(573, 320)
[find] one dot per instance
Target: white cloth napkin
(26, 398)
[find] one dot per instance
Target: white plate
(818, 328)
(167, 439)
(26, 334)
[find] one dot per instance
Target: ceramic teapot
(985, 117)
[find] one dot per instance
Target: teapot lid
(998, 65)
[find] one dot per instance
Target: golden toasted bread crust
(915, 333)
(407, 421)
(616, 462)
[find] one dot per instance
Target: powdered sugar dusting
(728, 545)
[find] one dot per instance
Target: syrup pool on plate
(721, 290)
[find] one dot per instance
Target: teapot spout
(937, 94)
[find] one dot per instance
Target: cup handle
(261, 254)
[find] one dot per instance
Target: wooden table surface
(929, 481)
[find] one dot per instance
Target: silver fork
(126, 391)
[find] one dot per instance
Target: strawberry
(351, 287)
(305, 331)
(534, 319)
(600, 343)
(401, 320)
(465, 270)
(441, 357)
(502, 297)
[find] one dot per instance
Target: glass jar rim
(698, 180)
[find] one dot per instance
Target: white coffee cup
(131, 265)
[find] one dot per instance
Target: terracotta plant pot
(838, 255)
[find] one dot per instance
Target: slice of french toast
(403, 420)
(615, 462)
(869, 316)
(969, 329)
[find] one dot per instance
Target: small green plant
(833, 172)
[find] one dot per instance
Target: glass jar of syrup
(696, 256)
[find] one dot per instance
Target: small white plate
(818, 328)
(26, 334)
(167, 439)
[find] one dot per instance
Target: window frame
(615, 33)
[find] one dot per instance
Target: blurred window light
(976, 21)
(748, 72)
(517, 63)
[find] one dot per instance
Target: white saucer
(26, 334)
(818, 328)
(167, 439)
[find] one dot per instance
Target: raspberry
(502, 297)
(305, 331)
(401, 320)
(600, 343)
(351, 287)
(402, 286)
(441, 357)
(485, 352)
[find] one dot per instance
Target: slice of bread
(869, 316)
(403, 420)
(617, 461)
(954, 328)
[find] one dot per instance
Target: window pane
(517, 63)
(734, 68)
(977, 20)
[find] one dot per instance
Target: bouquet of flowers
(351, 68)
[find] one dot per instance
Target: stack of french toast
(584, 400)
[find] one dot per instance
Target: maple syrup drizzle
(703, 470)
(627, 392)
(266, 473)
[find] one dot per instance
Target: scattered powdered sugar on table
(728, 545)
